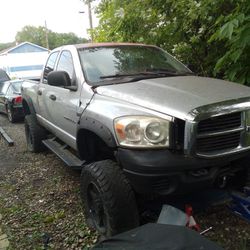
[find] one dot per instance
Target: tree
(37, 35)
(59, 39)
(4, 46)
(235, 33)
(186, 28)
(32, 34)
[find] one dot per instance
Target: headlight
(142, 131)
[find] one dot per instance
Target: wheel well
(92, 148)
(26, 108)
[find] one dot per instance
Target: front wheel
(108, 199)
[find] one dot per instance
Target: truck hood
(176, 96)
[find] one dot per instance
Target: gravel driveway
(39, 198)
(39, 201)
(7, 164)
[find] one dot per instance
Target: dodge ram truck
(137, 122)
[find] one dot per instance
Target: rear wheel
(34, 134)
(109, 202)
(11, 116)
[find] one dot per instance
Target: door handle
(39, 92)
(52, 97)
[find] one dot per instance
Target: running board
(63, 153)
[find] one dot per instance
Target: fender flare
(93, 125)
(29, 102)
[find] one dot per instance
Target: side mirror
(59, 79)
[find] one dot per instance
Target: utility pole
(46, 35)
(90, 20)
(88, 2)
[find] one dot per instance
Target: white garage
(25, 60)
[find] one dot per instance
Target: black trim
(165, 172)
(99, 129)
(28, 100)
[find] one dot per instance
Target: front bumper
(164, 172)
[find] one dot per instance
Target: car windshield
(103, 65)
(3, 76)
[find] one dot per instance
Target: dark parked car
(11, 99)
(3, 76)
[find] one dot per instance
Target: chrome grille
(220, 123)
(219, 133)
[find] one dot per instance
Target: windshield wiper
(168, 72)
(149, 72)
(125, 75)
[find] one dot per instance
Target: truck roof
(94, 45)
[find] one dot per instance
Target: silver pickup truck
(136, 121)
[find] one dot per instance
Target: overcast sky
(61, 16)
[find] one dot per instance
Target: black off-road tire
(34, 134)
(108, 199)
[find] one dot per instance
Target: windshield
(3, 76)
(102, 64)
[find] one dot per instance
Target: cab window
(50, 65)
(65, 63)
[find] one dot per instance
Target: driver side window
(65, 63)
(50, 65)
